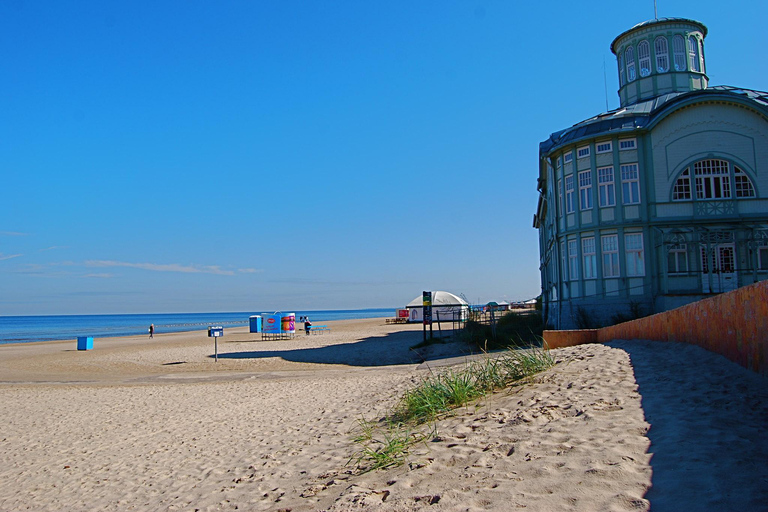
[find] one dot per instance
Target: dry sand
(139, 424)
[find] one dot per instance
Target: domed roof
(439, 299)
(659, 21)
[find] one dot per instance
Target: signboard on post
(215, 333)
(426, 301)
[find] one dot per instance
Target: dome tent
(447, 306)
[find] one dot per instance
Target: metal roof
(658, 21)
(639, 115)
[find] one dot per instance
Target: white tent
(446, 305)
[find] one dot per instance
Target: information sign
(426, 299)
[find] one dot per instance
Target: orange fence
(733, 324)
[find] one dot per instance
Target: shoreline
(167, 323)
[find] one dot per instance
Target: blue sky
(188, 156)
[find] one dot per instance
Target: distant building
(658, 203)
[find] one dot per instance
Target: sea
(25, 329)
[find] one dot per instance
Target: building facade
(661, 202)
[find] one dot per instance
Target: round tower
(658, 57)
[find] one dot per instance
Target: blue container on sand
(85, 343)
(255, 323)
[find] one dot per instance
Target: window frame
(609, 247)
(634, 255)
(661, 54)
(679, 58)
(742, 183)
(677, 253)
(629, 55)
(605, 149)
(682, 186)
(712, 179)
(644, 57)
(573, 260)
(630, 186)
(570, 195)
(609, 186)
(693, 54)
(585, 190)
(631, 144)
(583, 149)
(563, 262)
(589, 257)
(622, 80)
(568, 157)
(762, 258)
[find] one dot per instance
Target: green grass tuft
(438, 395)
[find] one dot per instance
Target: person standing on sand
(307, 325)
(152, 330)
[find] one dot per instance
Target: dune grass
(386, 444)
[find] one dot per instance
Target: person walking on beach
(152, 330)
(307, 325)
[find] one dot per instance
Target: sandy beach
(139, 424)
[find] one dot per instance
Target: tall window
(621, 70)
(644, 58)
(560, 196)
(630, 184)
(662, 54)
(762, 258)
(589, 256)
(573, 260)
(570, 194)
(610, 247)
(712, 179)
(607, 188)
(633, 249)
(743, 184)
(563, 261)
(630, 55)
(585, 190)
(678, 52)
(677, 259)
(693, 53)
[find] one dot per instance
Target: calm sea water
(23, 329)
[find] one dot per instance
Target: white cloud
(12, 233)
(9, 256)
(99, 276)
(250, 270)
(156, 267)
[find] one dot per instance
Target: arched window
(693, 53)
(662, 54)
(644, 58)
(712, 179)
(621, 69)
(678, 50)
(630, 56)
(701, 55)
